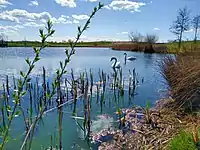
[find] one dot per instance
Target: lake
(12, 60)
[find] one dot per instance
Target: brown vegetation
(165, 124)
(182, 73)
(141, 47)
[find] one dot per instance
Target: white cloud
(80, 17)
(157, 29)
(66, 3)
(125, 5)
(124, 32)
(15, 27)
(75, 21)
(33, 3)
(8, 17)
(190, 30)
(19, 26)
(61, 20)
(18, 15)
(10, 30)
(36, 19)
(3, 3)
(107, 7)
(33, 24)
(92, 0)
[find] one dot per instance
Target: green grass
(182, 141)
(58, 44)
(186, 46)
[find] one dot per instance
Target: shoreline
(158, 48)
(146, 128)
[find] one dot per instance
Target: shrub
(150, 39)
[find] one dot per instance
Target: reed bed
(182, 74)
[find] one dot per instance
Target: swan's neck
(125, 58)
(115, 62)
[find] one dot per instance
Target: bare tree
(181, 24)
(135, 37)
(151, 38)
(196, 26)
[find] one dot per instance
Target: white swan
(116, 64)
(130, 58)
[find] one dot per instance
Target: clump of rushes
(82, 82)
(147, 113)
(134, 82)
(129, 85)
(98, 89)
(59, 73)
(121, 84)
(85, 98)
(91, 82)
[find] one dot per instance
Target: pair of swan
(116, 63)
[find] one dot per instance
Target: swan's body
(130, 58)
(116, 63)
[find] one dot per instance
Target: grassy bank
(156, 48)
(120, 46)
(58, 44)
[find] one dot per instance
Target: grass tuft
(182, 141)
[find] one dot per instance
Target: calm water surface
(12, 61)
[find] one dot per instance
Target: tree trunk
(195, 35)
(180, 40)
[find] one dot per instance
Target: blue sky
(20, 19)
